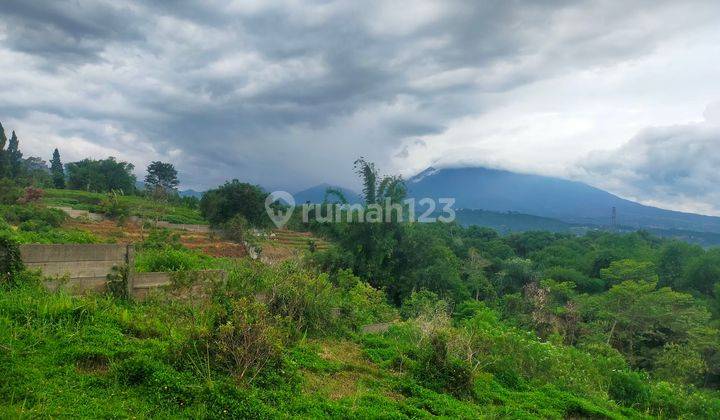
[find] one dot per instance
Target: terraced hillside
(297, 240)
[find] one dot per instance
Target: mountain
(568, 201)
(316, 194)
(190, 193)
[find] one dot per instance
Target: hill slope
(569, 201)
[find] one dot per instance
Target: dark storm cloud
(67, 30)
(291, 92)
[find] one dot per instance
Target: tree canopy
(103, 175)
(161, 178)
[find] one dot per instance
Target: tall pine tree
(14, 157)
(3, 157)
(56, 168)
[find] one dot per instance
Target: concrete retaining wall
(145, 283)
(76, 267)
(82, 268)
(189, 228)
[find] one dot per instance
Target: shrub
(17, 214)
(629, 388)
(246, 342)
(442, 372)
(161, 238)
(680, 364)
(10, 261)
(236, 228)
(170, 260)
(34, 226)
(307, 299)
(31, 195)
(9, 192)
(422, 302)
(114, 208)
(118, 281)
(363, 304)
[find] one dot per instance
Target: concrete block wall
(144, 283)
(76, 267)
(82, 268)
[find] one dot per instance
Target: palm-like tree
(376, 189)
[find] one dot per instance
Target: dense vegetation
(286, 340)
(472, 323)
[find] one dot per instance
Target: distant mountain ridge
(568, 201)
(191, 193)
(316, 194)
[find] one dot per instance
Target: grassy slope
(139, 206)
(94, 357)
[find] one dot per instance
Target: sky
(623, 95)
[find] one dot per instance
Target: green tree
(623, 270)
(101, 175)
(673, 262)
(377, 189)
(221, 204)
(57, 171)
(702, 273)
(680, 363)
(14, 157)
(36, 172)
(161, 178)
(476, 278)
(3, 154)
(638, 319)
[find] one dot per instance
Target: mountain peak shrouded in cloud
(292, 92)
(478, 188)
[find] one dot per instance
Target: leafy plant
(10, 260)
(118, 281)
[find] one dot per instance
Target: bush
(170, 260)
(442, 372)
(629, 388)
(31, 195)
(34, 226)
(423, 302)
(245, 343)
(114, 208)
(9, 192)
(308, 300)
(363, 305)
(17, 214)
(236, 228)
(10, 261)
(118, 281)
(161, 238)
